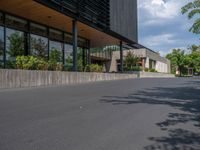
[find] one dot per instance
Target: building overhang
(34, 11)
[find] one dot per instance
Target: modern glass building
(37, 27)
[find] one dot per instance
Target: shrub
(36, 63)
(133, 68)
(55, 66)
(152, 70)
(137, 68)
(146, 69)
(94, 68)
(26, 62)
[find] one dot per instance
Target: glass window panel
(15, 22)
(68, 38)
(39, 46)
(68, 55)
(1, 18)
(38, 29)
(14, 46)
(56, 35)
(82, 42)
(55, 51)
(1, 46)
(80, 58)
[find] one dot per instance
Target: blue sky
(162, 27)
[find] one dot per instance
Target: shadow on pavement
(185, 98)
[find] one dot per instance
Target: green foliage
(55, 60)
(1, 47)
(181, 60)
(39, 46)
(80, 59)
(146, 69)
(36, 63)
(94, 68)
(178, 60)
(193, 9)
(131, 61)
(69, 63)
(31, 63)
(133, 68)
(152, 70)
(16, 47)
(55, 55)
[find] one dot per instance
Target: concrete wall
(152, 75)
(161, 64)
(28, 78)
(161, 67)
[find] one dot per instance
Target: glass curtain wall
(68, 56)
(55, 51)
(23, 37)
(56, 45)
(14, 46)
(38, 46)
(15, 39)
(38, 41)
(1, 47)
(68, 52)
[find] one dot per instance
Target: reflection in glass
(55, 35)
(68, 54)
(68, 38)
(55, 51)
(80, 59)
(14, 46)
(1, 46)
(38, 29)
(16, 22)
(1, 18)
(39, 46)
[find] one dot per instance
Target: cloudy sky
(162, 27)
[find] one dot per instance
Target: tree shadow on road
(184, 98)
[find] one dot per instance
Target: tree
(193, 58)
(193, 9)
(131, 60)
(39, 47)
(178, 60)
(16, 47)
(1, 47)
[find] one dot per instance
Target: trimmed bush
(94, 68)
(152, 70)
(36, 63)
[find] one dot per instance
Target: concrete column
(143, 64)
(75, 44)
(121, 57)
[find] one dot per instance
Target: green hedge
(94, 68)
(36, 63)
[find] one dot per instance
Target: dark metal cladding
(123, 18)
(97, 12)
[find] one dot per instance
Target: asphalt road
(136, 114)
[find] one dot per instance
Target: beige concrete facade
(149, 59)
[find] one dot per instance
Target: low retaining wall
(28, 78)
(153, 75)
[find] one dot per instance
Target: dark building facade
(68, 26)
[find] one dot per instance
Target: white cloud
(161, 39)
(158, 2)
(162, 27)
(155, 12)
